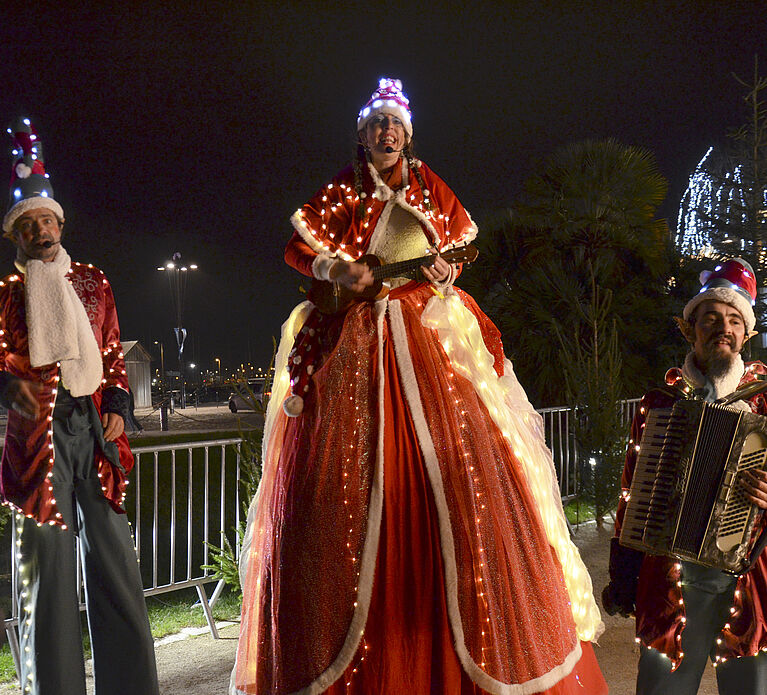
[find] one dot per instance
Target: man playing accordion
(686, 612)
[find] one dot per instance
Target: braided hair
(362, 211)
(363, 156)
(408, 154)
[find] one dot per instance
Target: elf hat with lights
(732, 282)
(30, 187)
(387, 98)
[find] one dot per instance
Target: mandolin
(332, 297)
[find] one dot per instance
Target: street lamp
(218, 362)
(177, 273)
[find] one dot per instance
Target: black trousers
(49, 617)
(708, 595)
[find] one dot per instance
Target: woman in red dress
(408, 535)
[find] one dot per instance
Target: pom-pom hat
(732, 282)
(30, 187)
(388, 98)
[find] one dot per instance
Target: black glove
(619, 596)
(617, 601)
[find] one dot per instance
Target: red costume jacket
(28, 451)
(327, 224)
(660, 611)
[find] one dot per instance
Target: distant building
(138, 366)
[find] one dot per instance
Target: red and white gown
(408, 534)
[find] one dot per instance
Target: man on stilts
(66, 458)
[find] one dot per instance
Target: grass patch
(168, 614)
(7, 669)
(185, 437)
(578, 511)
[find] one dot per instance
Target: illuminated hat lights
(30, 187)
(732, 282)
(388, 98)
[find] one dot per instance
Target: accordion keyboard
(645, 473)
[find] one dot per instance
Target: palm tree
(577, 280)
(590, 211)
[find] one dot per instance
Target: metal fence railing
(560, 438)
(182, 497)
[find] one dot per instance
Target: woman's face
(382, 131)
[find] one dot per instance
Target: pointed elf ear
(750, 335)
(686, 329)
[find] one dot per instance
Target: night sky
(169, 128)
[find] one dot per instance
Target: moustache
(721, 336)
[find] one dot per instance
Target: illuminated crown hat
(732, 282)
(390, 98)
(30, 187)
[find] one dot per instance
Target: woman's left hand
(438, 271)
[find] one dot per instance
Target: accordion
(685, 500)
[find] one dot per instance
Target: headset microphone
(48, 244)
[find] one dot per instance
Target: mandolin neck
(393, 270)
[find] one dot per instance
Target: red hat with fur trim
(732, 282)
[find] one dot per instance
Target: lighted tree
(724, 210)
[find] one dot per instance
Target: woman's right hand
(353, 276)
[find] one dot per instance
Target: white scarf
(59, 329)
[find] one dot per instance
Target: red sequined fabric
(451, 575)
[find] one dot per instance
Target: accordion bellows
(685, 499)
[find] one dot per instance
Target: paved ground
(202, 419)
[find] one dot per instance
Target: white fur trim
(413, 398)
(304, 231)
(397, 110)
(728, 296)
(321, 266)
(28, 204)
(723, 386)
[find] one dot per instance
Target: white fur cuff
(321, 266)
(448, 281)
